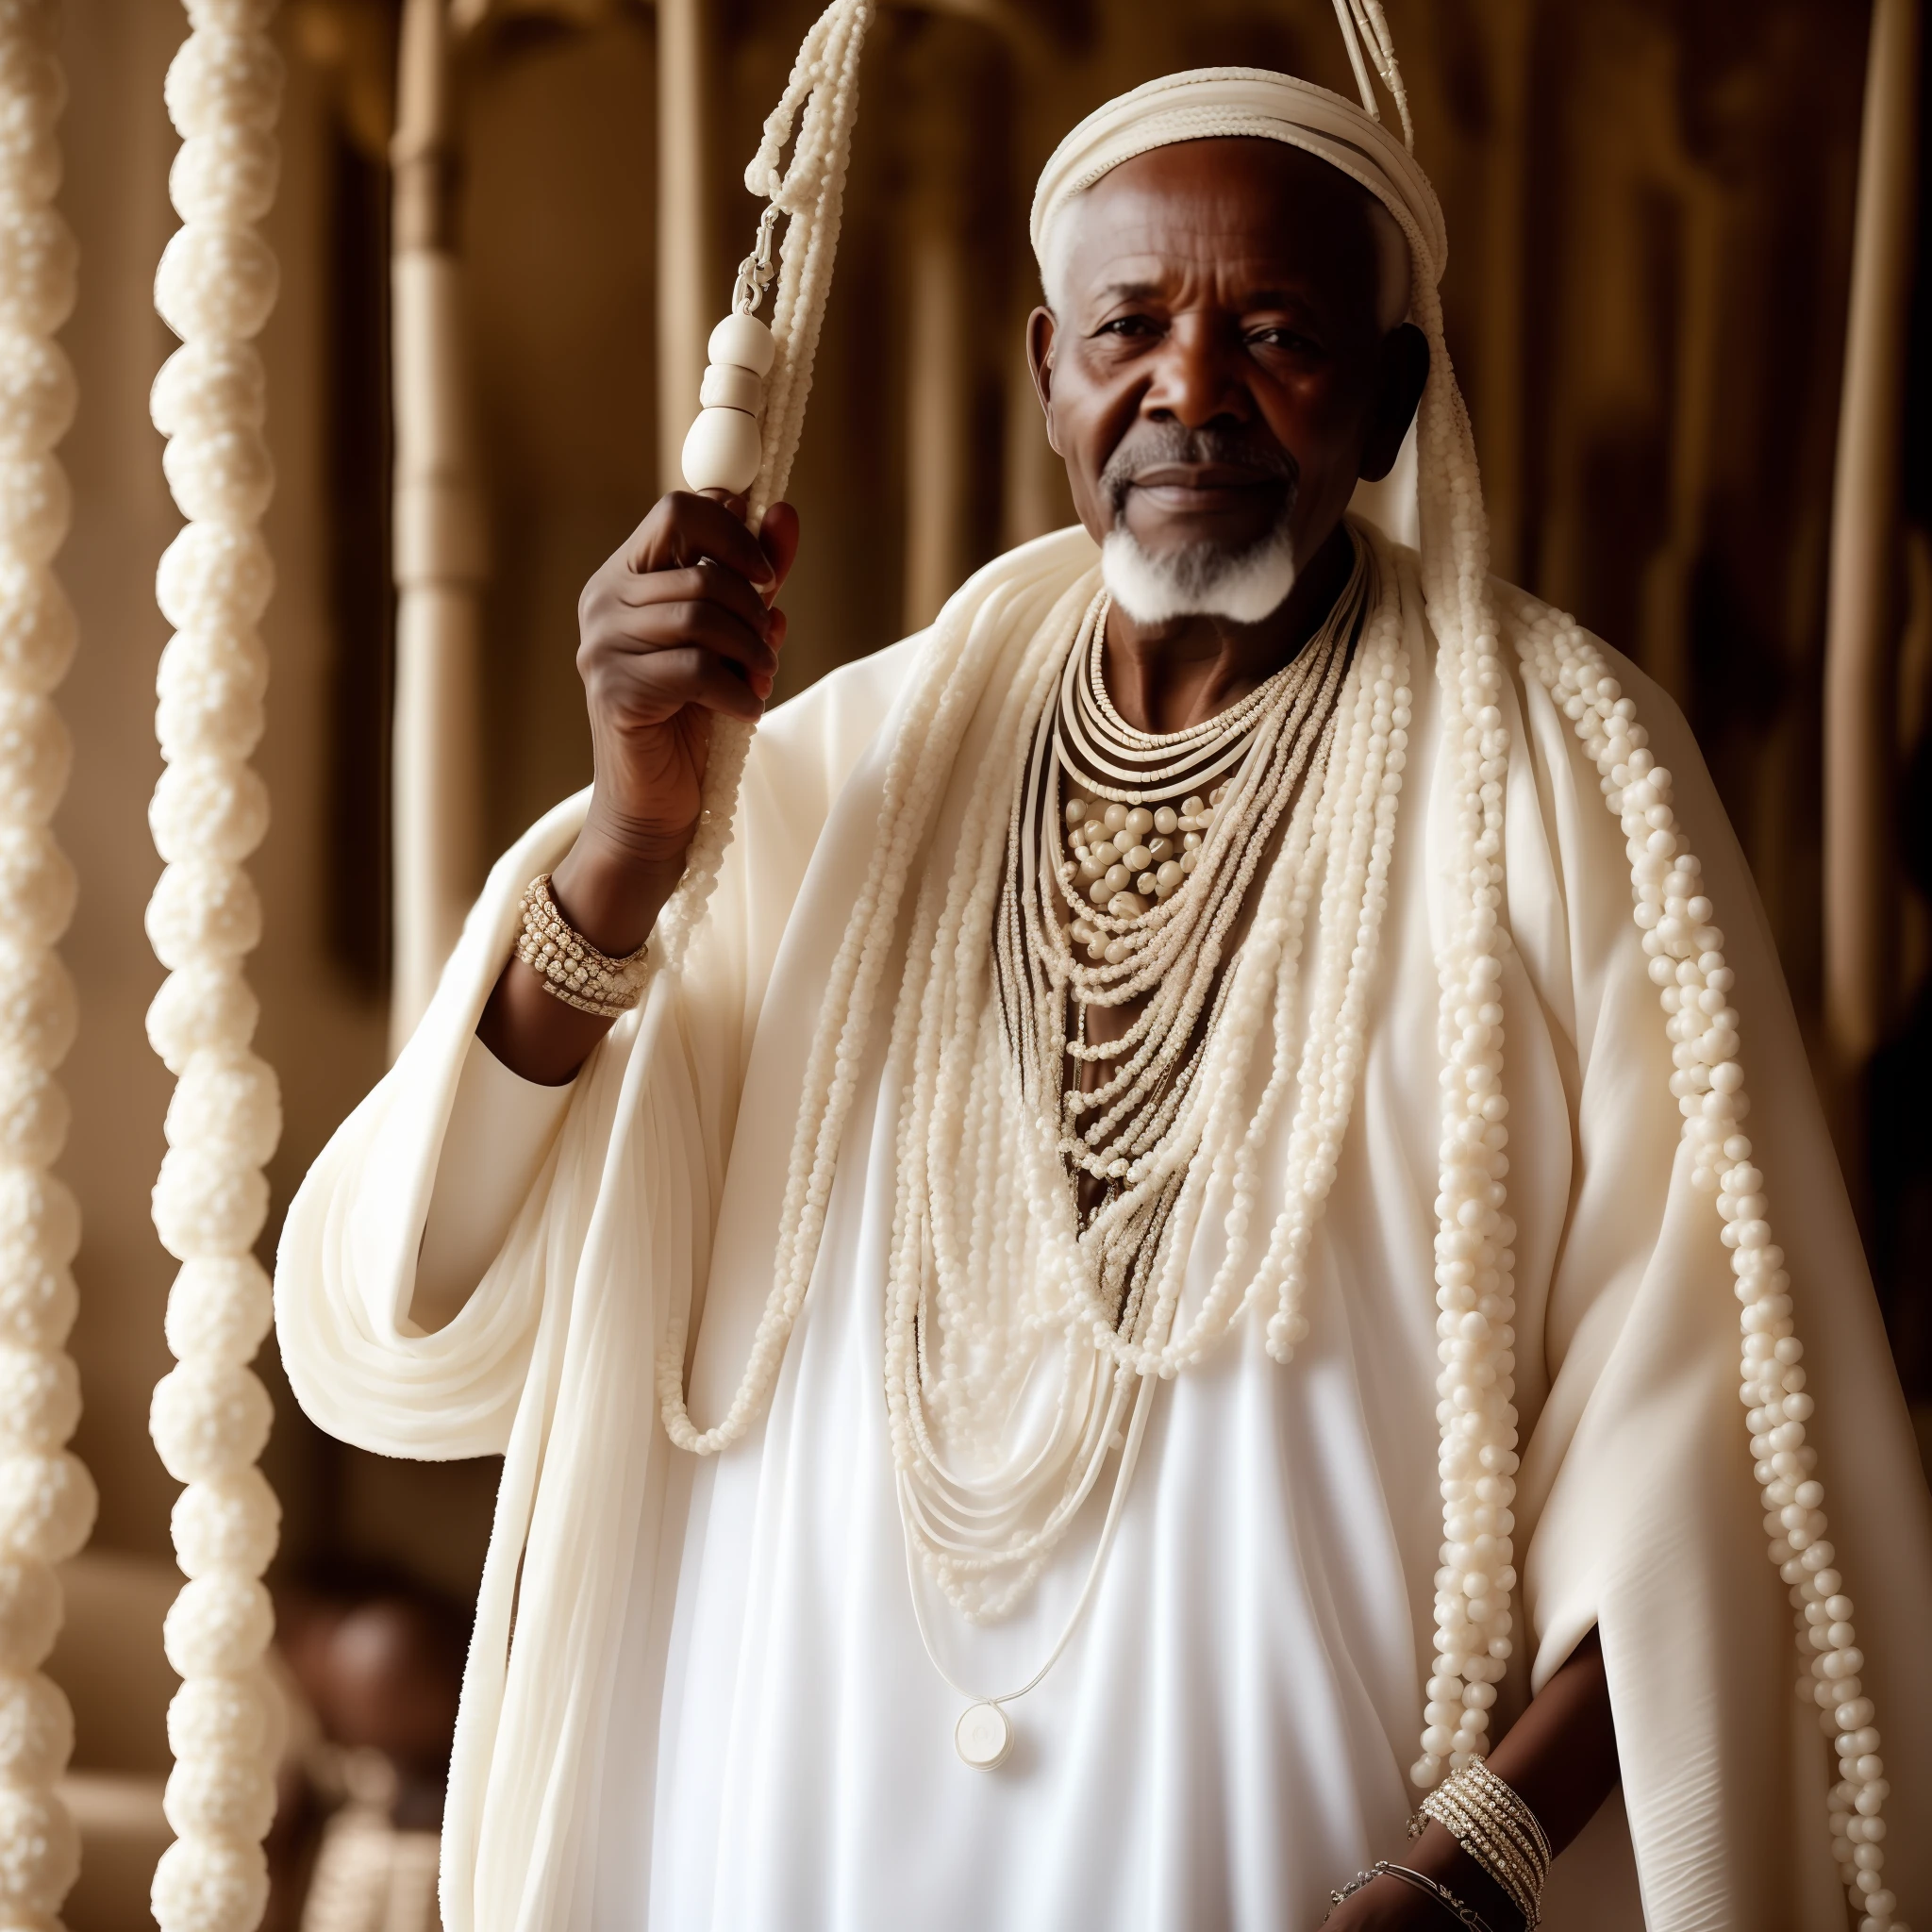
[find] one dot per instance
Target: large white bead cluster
(723, 447)
(215, 288)
(1687, 964)
(46, 1497)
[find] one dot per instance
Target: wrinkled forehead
(1247, 205)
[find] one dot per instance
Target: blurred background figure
(504, 227)
(383, 1667)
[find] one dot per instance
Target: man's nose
(1196, 380)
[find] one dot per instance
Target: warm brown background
(1650, 211)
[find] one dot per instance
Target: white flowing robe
(716, 1711)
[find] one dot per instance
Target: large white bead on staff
(725, 445)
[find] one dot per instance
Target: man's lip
(1207, 479)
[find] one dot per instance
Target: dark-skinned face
(1217, 356)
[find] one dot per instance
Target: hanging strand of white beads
(46, 1497)
(1687, 964)
(215, 288)
(754, 390)
(1475, 1296)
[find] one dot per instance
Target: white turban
(1211, 103)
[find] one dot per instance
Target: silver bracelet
(1488, 1817)
(1465, 1915)
(571, 968)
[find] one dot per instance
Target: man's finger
(692, 675)
(778, 540)
(685, 529)
(699, 583)
(662, 630)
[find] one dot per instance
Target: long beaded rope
(214, 288)
(1687, 964)
(820, 103)
(46, 1496)
(1476, 1298)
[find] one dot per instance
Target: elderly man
(1060, 1191)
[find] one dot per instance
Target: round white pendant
(984, 1737)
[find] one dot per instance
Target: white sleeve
(501, 1127)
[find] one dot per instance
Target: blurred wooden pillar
(1499, 346)
(1863, 606)
(688, 304)
(440, 549)
(939, 405)
(940, 364)
(943, 366)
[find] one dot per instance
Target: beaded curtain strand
(46, 1496)
(215, 288)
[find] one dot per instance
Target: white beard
(1203, 582)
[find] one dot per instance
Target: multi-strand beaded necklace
(1149, 888)
(1019, 1332)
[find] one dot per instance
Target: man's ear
(1403, 372)
(1041, 327)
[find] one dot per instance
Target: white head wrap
(1432, 499)
(1213, 103)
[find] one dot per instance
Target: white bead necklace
(1017, 1339)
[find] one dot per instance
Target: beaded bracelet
(1464, 1915)
(571, 968)
(1488, 1819)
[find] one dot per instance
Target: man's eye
(1127, 325)
(1287, 338)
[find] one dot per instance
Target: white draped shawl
(1636, 1509)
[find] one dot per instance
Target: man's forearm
(613, 899)
(1560, 1758)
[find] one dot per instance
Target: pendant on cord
(984, 1736)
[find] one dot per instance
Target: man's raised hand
(675, 626)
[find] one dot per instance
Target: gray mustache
(1153, 443)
